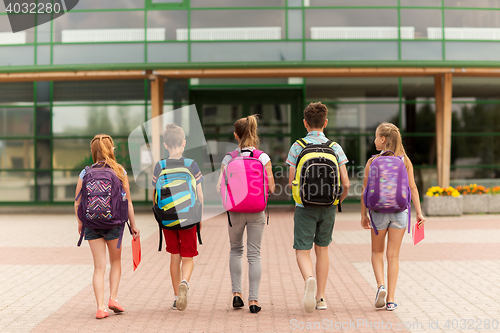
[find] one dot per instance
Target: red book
(418, 233)
(136, 252)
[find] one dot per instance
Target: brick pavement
(45, 280)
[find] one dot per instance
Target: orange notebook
(136, 252)
(418, 234)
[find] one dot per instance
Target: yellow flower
(429, 193)
(436, 195)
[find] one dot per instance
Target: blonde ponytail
(102, 147)
(393, 140)
(246, 129)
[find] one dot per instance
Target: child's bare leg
(393, 246)
(305, 263)
(175, 271)
(322, 266)
(98, 248)
(115, 271)
(187, 268)
(378, 246)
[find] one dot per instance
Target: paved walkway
(448, 282)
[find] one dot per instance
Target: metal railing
(10, 38)
(464, 33)
(245, 33)
(361, 33)
(111, 35)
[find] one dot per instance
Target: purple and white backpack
(103, 204)
(388, 189)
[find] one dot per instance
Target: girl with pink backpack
(245, 180)
(388, 185)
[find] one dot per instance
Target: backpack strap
(373, 223)
(163, 164)
(161, 238)
(330, 143)
(302, 142)
(256, 153)
(198, 233)
(188, 162)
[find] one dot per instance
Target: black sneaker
(237, 302)
(174, 305)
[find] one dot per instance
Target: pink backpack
(244, 187)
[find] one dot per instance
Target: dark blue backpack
(103, 205)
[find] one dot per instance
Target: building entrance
(280, 123)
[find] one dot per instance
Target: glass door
(280, 115)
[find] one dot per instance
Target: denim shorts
(108, 234)
(394, 220)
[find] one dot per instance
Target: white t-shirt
(264, 158)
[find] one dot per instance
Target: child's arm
(365, 219)
(270, 176)
(344, 180)
(415, 198)
(131, 215)
(77, 203)
(291, 175)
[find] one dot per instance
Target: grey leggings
(254, 223)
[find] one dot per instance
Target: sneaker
(182, 300)
(101, 314)
(391, 306)
(174, 305)
(321, 304)
(380, 298)
(309, 298)
(113, 305)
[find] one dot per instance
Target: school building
(432, 67)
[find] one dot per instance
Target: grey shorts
(107, 234)
(394, 220)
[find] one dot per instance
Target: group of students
(313, 222)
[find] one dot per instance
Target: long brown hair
(393, 141)
(246, 129)
(102, 147)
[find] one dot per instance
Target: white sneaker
(321, 304)
(309, 295)
(380, 298)
(182, 299)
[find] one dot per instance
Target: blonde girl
(388, 138)
(102, 148)
(245, 131)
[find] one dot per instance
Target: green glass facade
(46, 127)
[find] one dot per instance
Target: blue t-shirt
(314, 137)
(196, 170)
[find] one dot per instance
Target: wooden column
(438, 92)
(156, 111)
(443, 95)
(447, 95)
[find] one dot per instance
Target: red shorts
(183, 242)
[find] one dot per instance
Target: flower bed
(494, 200)
(442, 202)
(475, 199)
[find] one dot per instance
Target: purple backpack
(388, 189)
(103, 205)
